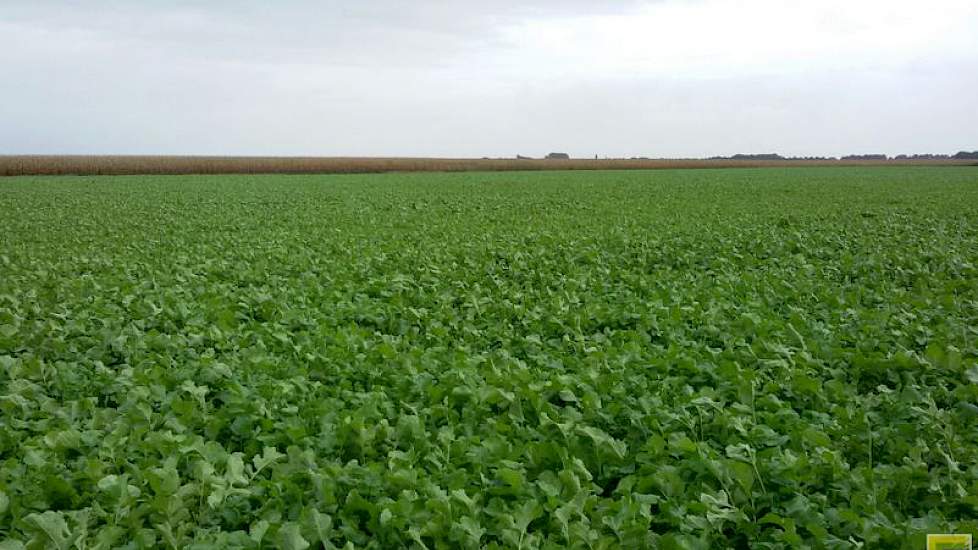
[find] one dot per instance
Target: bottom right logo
(949, 542)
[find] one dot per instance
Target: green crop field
(753, 358)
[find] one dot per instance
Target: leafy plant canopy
(776, 358)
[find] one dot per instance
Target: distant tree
(762, 156)
(741, 156)
(965, 155)
(864, 157)
(558, 156)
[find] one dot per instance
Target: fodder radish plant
(777, 358)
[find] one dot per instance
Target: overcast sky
(665, 78)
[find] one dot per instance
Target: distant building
(558, 156)
(521, 157)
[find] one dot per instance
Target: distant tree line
(922, 157)
(961, 155)
(768, 156)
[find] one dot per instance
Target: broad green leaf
(269, 456)
(290, 538)
(53, 526)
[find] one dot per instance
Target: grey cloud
(353, 33)
(425, 78)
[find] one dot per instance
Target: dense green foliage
(776, 358)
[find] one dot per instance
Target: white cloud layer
(439, 78)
